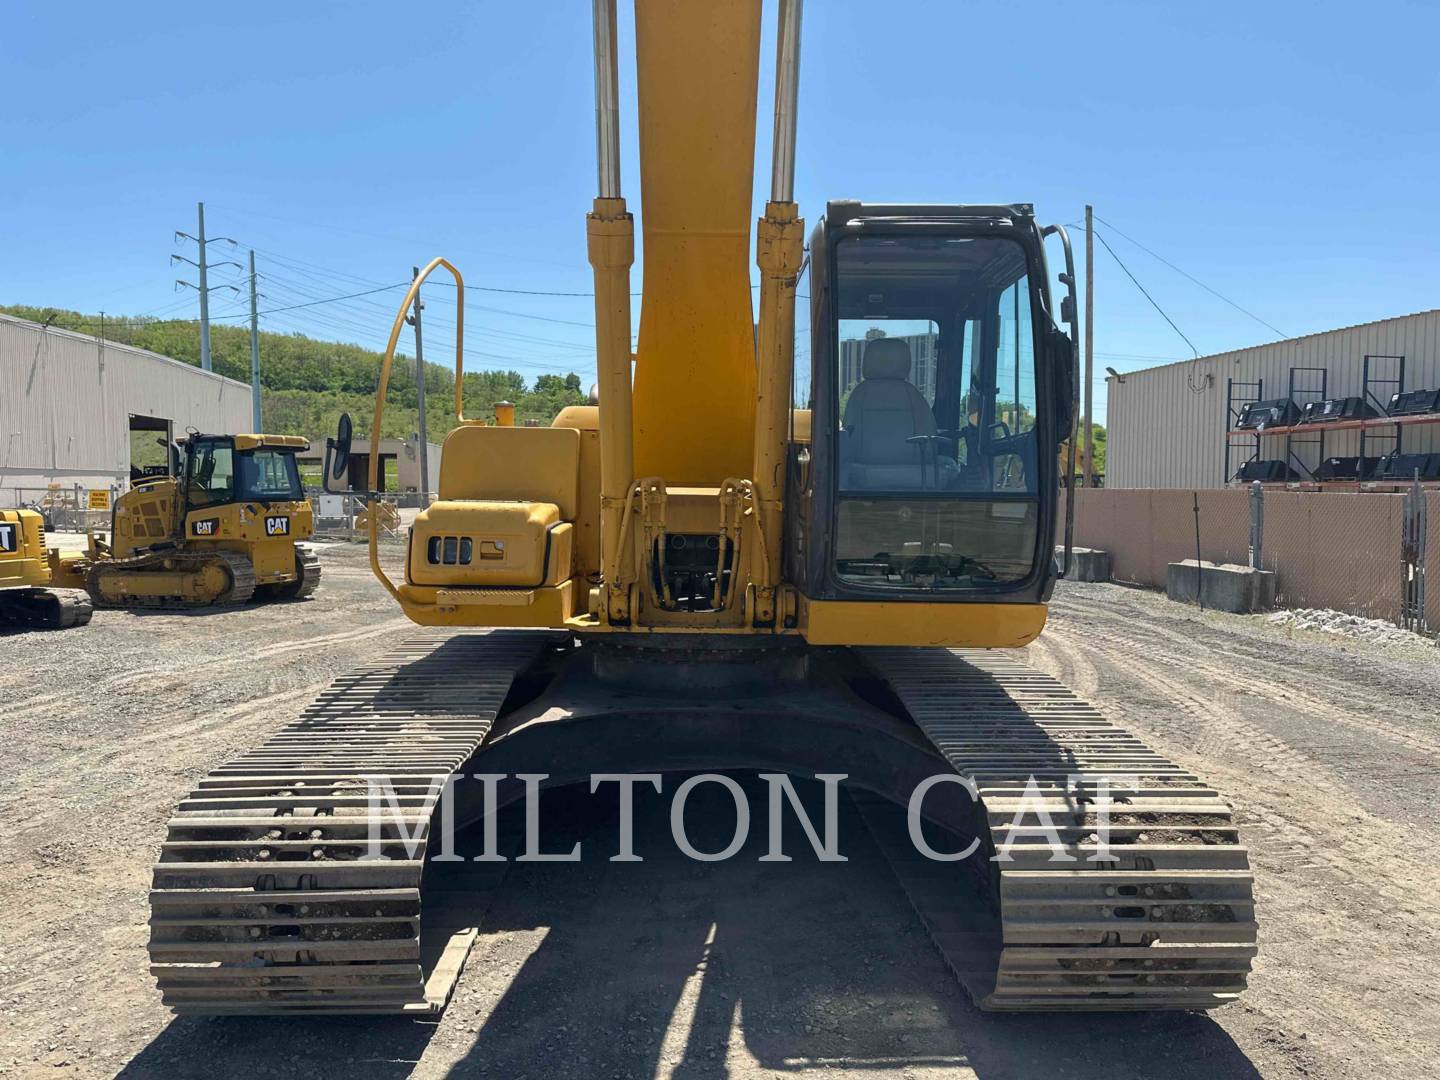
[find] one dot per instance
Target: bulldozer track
(308, 564)
(307, 578)
(261, 901)
(1163, 920)
(242, 579)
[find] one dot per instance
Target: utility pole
(203, 266)
(254, 353)
(414, 320)
(204, 298)
(1089, 473)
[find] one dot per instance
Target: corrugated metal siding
(66, 400)
(1167, 426)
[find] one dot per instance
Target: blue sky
(1283, 153)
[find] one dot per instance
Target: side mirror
(1067, 309)
(1062, 363)
(337, 453)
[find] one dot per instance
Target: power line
(1147, 296)
(327, 300)
(442, 283)
(1192, 277)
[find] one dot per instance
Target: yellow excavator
(733, 564)
(32, 586)
(226, 527)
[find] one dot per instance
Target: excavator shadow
(673, 967)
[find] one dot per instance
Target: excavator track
(1163, 920)
(261, 901)
(239, 568)
(44, 609)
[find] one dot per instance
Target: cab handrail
(384, 385)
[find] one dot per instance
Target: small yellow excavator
(706, 572)
(225, 528)
(29, 576)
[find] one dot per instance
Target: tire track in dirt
(1339, 705)
(1270, 756)
(131, 676)
(21, 813)
(1300, 835)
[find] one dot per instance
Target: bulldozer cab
(222, 469)
(940, 391)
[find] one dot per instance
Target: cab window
(937, 483)
(212, 474)
(269, 476)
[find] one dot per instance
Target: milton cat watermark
(402, 816)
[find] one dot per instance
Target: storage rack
(1368, 428)
(1396, 385)
(1313, 434)
(1237, 396)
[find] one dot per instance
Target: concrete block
(1086, 564)
(1223, 586)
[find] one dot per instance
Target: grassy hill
(306, 384)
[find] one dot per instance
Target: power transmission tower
(204, 288)
(254, 353)
(414, 320)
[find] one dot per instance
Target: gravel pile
(1375, 631)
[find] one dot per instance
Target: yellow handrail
(384, 385)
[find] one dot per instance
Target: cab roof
(272, 442)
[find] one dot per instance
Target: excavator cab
(940, 392)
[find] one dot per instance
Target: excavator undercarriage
(268, 898)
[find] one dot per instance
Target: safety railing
(373, 522)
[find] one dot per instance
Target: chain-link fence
(346, 517)
(1346, 551)
(65, 507)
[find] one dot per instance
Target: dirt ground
(1328, 749)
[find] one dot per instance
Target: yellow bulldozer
(32, 580)
(227, 527)
(730, 563)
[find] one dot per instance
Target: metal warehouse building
(1167, 426)
(79, 411)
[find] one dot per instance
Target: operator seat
(884, 412)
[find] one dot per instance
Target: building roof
(76, 335)
(1281, 341)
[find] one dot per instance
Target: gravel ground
(1327, 746)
